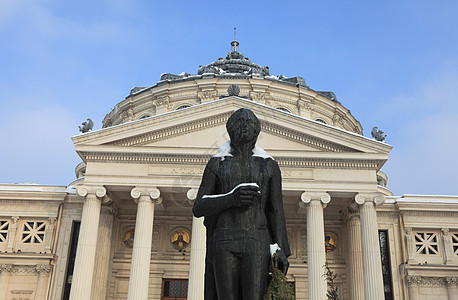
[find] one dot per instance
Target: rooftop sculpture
(378, 134)
(87, 126)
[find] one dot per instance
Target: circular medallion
(128, 237)
(330, 242)
(180, 239)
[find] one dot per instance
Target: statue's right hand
(245, 195)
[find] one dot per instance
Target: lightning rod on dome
(234, 43)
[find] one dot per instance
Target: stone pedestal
(141, 253)
(372, 262)
(316, 252)
(87, 242)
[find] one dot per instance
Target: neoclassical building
(124, 228)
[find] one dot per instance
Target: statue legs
(241, 266)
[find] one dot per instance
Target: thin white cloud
(424, 158)
(37, 146)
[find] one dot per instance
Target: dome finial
(234, 43)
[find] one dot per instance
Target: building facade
(124, 228)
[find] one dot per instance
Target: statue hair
(233, 118)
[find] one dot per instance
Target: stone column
(5, 270)
(355, 262)
(316, 252)
(11, 247)
(372, 262)
(412, 284)
(141, 253)
(42, 283)
(198, 249)
(103, 258)
(87, 242)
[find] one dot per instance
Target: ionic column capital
(192, 195)
(376, 198)
(308, 197)
(146, 193)
(84, 190)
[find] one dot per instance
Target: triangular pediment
(203, 127)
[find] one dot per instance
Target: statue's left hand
(281, 262)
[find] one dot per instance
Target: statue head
(243, 127)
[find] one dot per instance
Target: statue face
(243, 126)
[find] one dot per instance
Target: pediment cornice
(202, 159)
(200, 117)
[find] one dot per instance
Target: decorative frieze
(451, 281)
(289, 162)
(426, 281)
(43, 269)
(24, 270)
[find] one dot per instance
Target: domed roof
(235, 63)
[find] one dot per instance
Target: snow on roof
(246, 100)
(411, 198)
(32, 187)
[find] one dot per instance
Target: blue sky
(394, 64)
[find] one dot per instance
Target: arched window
(183, 107)
(144, 117)
(321, 121)
(283, 109)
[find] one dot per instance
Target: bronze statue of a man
(241, 199)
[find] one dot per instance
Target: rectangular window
(455, 243)
(426, 243)
(4, 227)
(33, 232)
(71, 259)
(386, 264)
(174, 289)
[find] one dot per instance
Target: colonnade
(83, 275)
(364, 263)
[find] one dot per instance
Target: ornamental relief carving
(451, 281)
(304, 243)
(207, 95)
(25, 270)
(161, 101)
(260, 97)
(426, 281)
(156, 238)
